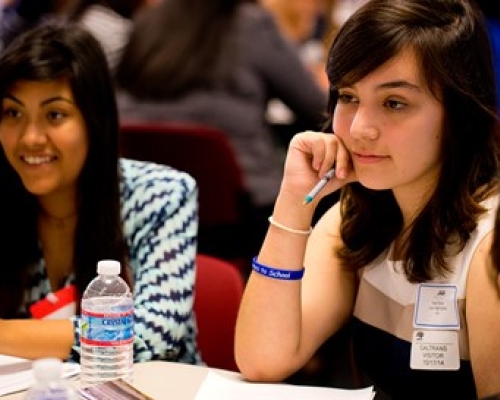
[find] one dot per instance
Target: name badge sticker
(436, 307)
(58, 305)
(434, 350)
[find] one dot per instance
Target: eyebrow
(398, 84)
(392, 85)
(43, 103)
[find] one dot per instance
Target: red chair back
(218, 291)
(204, 152)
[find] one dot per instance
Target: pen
(320, 185)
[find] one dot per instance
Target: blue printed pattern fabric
(160, 215)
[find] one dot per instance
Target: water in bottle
(49, 384)
(107, 331)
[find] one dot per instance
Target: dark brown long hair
(46, 53)
(452, 47)
(176, 46)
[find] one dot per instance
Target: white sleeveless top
(386, 300)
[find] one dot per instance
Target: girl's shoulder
(487, 219)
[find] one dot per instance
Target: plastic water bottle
(107, 331)
(49, 384)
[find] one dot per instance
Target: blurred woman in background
(218, 63)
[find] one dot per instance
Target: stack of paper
(16, 374)
(218, 387)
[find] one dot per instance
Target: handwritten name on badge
(436, 307)
(434, 350)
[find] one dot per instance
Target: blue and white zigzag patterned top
(160, 215)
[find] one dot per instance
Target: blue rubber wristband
(284, 274)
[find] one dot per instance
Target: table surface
(162, 380)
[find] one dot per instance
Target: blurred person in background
(21, 15)
(301, 22)
(6, 5)
(218, 63)
(341, 10)
(108, 20)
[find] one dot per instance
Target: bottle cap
(108, 267)
(47, 369)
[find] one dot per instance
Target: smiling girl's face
(392, 126)
(44, 136)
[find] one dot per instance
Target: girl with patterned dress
(68, 201)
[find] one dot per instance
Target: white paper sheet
(16, 374)
(215, 386)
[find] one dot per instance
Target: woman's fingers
(320, 152)
(343, 164)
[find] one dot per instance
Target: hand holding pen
(319, 186)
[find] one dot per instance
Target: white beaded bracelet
(287, 228)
